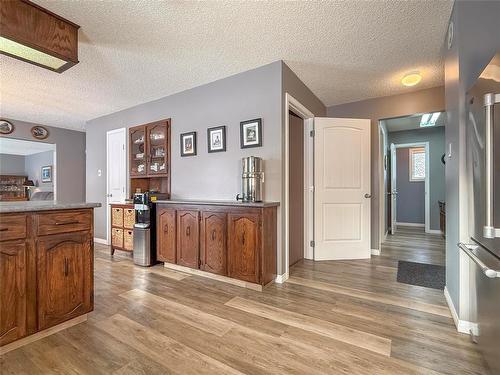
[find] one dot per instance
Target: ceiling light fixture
(411, 79)
(35, 35)
(429, 119)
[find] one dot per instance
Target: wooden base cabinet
(213, 242)
(13, 296)
(64, 270)
(46, 270)
(238, 242)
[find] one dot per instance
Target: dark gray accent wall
(411, 194)
(476, 40)
(429, 100)
(33, 168)
(70, 151)
(436, 139)
(12, 164)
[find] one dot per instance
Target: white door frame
(108, 211)
(292, 104)
(427, 178)
(382, 188)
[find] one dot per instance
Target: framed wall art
(216, 139)
(188, 144)
(251, 133)
(46, 175)
(6, 127)
(39, 132)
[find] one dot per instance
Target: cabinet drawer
(117, 237)
(12, 227)
(117, 216)
(128, 239)
(128, 217)
(63, 222)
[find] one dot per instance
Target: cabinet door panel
(166, 246)
(12, 291)
(213, 251)
(157, 149)
(244, 245)
(188, 237)
(65, 277)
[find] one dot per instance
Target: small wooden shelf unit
(122, 227)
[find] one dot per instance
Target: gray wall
(33, 168)
(411, 194)
(436, 139)
(12, 164)
(70, 150)
(252, 94)
(476, 39)
(429, 100)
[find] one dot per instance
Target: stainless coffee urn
(252, 179)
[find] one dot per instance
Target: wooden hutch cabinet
(149, 152)
(233, 240)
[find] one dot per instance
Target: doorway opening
(412, 186)
(27, 170)
(298, 186)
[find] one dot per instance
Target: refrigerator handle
(489, 102)
(491, 273)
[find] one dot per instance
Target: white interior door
(342, 188)
(116, 184)
(394, 190)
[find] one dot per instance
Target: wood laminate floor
(343, 317)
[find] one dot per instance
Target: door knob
(368, 195)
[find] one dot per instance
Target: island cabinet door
(12, 291)
(65, 277)
(244, 244)
(188, 238)
(166, 232)
(213, 249)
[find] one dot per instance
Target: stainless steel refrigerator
(483, 176)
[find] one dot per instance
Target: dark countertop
(28, 206)
(490, 244)
(219, 203)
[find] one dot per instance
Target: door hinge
(123, 145)
(312, 244)
(312, 133)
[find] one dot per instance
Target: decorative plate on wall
(39, 132)
(6, 127)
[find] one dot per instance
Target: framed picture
(46, 175)
(216, 139)
(6, 127)
(39, 132)
(188, 144)
(251, 133)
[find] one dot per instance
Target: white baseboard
(375, 251)
(410, 224)
(101, 240)
(463, 326)
(434, 231)
(280, 279)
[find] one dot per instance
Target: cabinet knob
(165, 228)
(213, 235)
(188, 231)
(243, 238)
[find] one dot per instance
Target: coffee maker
(252, 179)
(145, 228)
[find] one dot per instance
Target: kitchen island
(46, 268)
(230, 241)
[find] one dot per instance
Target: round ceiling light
(411, 79)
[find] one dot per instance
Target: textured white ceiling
(409, 123)
(21, 147)
(132, 52)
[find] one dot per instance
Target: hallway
(414, 245)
